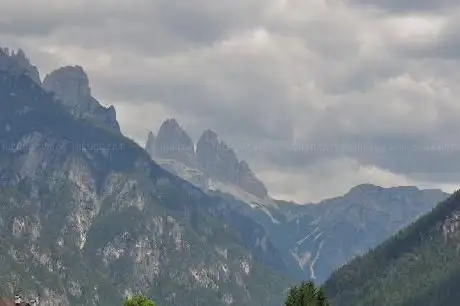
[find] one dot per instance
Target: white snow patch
(302, 258)
(313, 262)
(198, 178)
(308, 236)
(244, 196)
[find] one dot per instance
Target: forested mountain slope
(420, 266)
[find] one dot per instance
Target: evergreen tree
(138, 300)
(321, 297)
(307, 294)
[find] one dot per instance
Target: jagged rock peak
(244, 166)
(173, 142)
(219, 160)
(17, 63)
(364, 189)
(213, 156)
(211, 138)
(171, 125)
(69, 83)
(210, 135)
(150, 136)
(150, 144)
(248, 181)
(211, 150)
(171, 122)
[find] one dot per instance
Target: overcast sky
(317, 95)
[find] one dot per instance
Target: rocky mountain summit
(172, 142)
(212, 160)
(70, 85)
(17, 63)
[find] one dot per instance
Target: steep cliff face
(87, 217)
(213, 164)
(172, 142)
(220, 161)
(249, 182)
(70, 85)
(150, 144)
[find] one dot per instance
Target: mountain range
(88, 216)
(313, 239)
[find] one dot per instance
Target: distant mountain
(314, 239)
(211, 164)
(86, 217)
(318, 238)
(419, 266)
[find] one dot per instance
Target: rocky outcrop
(219, 160)
(172, 142)
(70, 85)
(214, 157)
(150, 144)
(248, 181)
(17, 63)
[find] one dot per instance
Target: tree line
(305, 294)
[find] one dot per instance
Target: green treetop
(138, 300)
(307, 294)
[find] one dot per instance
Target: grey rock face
(150, 144)
(70, 85)
(248, 181)
(173, 142)
(219, 160)
(215, 158)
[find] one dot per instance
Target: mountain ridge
(106, 179)
(88, 217)
(313, 238)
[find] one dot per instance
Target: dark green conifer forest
(420, 266)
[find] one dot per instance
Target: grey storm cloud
(316, 95)
(409, 6)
